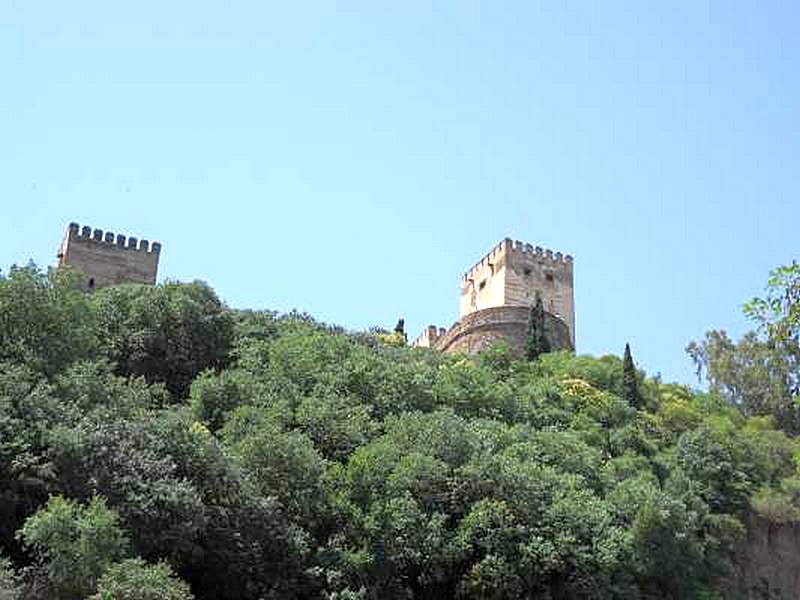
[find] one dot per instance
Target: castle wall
(478, 330)
(533, 270)
(427, 338)
(483, 286)
(105, 259)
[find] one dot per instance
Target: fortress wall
(480, 329)
(483, 286)
(532, 270)
(427, 338)
(106, 259)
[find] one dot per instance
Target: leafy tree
(536, 342)
(28, 412)
(245, 547)
(312, 462)
(781, 505)
(284, 465)
(756, 376)
(630, 382)
(128, 463)
(45, 320)
(213, 395)
(778, 312)
(10, 585)
(667, 552)
(336, 425)
(134, 579)
(75, 543)
(92, 387)
(720, 466)
(167, 333)
(760, 373)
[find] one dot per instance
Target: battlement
(428, 337)
(105, 258)
(98, 236)
(509, 246)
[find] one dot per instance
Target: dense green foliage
(778, 312)
(133, 579)
(154, 442)
(75, 544)
(760, 373)
(9, 580)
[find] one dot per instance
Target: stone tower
(105, 259)
(496, 295)
(513, 273)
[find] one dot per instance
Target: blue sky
(353, 159)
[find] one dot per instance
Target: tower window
(91, 283)
(482, 284)
(527, 271)
(549, 277)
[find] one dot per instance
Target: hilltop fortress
(105, 259)
(496, 293)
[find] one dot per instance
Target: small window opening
(91, 283)
(482, 284)
(527, 271)
(549, 277)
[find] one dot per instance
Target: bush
(75, 544)
(213, 396)
(9, 581)
(134, 579)
(167, 333)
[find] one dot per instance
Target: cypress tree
(630, 384)
(536, 342)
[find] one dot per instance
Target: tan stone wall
(427, 338)
(480, 329)
(106, 259)
(484, 285)
(533, 270)
(512, 274)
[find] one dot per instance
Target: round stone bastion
(482, 328)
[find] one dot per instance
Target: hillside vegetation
(155, 444)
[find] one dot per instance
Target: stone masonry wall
(106, 259)
(532, 270)
(513, 274)
(483, 286)
(482, 328)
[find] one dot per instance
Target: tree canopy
(155, 443)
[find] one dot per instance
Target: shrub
(74, 543)
(134, 579)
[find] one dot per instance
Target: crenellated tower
(496, 296)
(105, 259)
(513, 273)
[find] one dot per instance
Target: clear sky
(353, 159)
